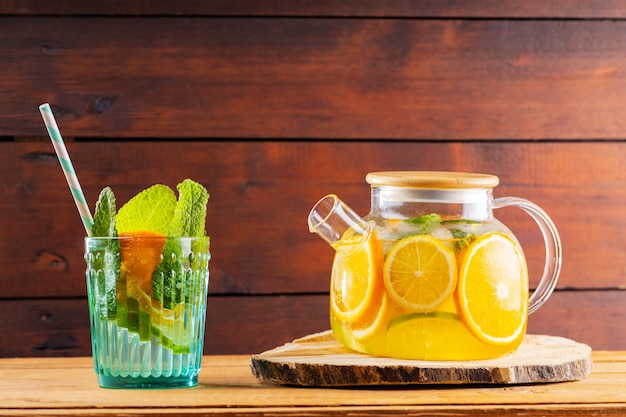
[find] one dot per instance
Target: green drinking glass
(147, 298)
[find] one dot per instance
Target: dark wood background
(273, 104)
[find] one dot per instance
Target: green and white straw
(66, 164)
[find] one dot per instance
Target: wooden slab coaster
(318, 360)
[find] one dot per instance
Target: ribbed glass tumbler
(147, 306)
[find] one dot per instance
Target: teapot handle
(552, 267)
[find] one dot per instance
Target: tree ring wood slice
(318, 360)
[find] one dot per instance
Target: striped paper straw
(66, 164)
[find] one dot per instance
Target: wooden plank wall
(273, 104)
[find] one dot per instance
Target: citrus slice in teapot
(356, 282)
(420, 273)
(492, 291)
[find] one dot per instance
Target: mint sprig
(425, 223)
(169, 283)
(104, 217)
(190, 212)
(109, 263)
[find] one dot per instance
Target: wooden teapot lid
(432, 179)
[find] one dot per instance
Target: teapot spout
(335, 222)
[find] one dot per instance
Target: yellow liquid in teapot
(457, 292)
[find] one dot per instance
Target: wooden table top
(67, 386)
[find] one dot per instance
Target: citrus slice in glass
(356, 282)
(141, 252)
(493, 289)
(172, 327)
(420, 273)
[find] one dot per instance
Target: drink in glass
(147, 282)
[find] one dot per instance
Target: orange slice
(356, 282)
(420, 273)
(141, 253)
(493, 289)
(375, 321)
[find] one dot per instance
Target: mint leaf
(109, 260)
(190, 213)
(169, 281)
(425, 223)
(463, 238)
(152, 209)
(104, 217)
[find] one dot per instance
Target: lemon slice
(356, 282)
(420, 273)
(493, 289)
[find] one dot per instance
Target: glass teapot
(429, 273)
